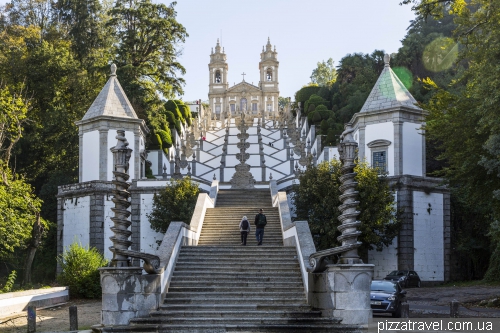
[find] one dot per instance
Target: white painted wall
(412, 149)
(112, 143)
(90, 156)
(385, 261)
(76, 217)
(428, 235)
(376, 132)
(149, 237)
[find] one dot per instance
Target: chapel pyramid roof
(389, 92)
(111, 101)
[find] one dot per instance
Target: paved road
(436, 301)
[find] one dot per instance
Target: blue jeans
(259, 234)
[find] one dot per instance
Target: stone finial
(214, 178)
(270, 176)
(387, 60)
(113, 70)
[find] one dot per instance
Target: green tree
(85, 23)
(283, 102)
(464, 120)
(325, 73)
(175, 203)
(316, 200)
(148, 34)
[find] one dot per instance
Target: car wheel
(397, 314)
(418, 284)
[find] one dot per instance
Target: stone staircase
(222, 286)
(221, 224)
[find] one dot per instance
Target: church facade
(243, 96)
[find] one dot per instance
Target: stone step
(234, 230)
(235, 238)
(241, 299)
(246, 259)
(239, 255)
(243, 264)
(276, 243)
(332, 326)
(228, 249)
(237, 284)
(231, 321)
(209, 277)
(243, 207)
(212, 313)
(247, 269)
(240, 290)
(247, 307)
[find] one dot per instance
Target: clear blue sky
(304, 33)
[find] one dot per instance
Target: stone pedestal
(342, 291)
(127, 294)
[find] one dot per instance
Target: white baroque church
(244, 96)
(387, 129)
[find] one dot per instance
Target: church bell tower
(268, 83)
(218, 79)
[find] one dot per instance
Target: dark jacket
(257, 219)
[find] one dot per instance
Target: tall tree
(148, 34)
(325, 73)
(316, 199)
(20, 219)
(464, 121)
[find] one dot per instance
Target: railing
(295, 233)
(179, 234)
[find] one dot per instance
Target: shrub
(9, 284)
(316, 101)
(175, 203)
(80, 272)
(316, 117)
(170, 118)
(174, 108)
(303, 94)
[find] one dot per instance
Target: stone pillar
(406, 249)
(342, 291)
(127, 294)
(398, 147)
(103, 154)
(96, 236)
(362, 143)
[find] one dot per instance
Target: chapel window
(254, 106)
(269, 75)
(233, 107)
(243, 104)
(379, 161)
(217, 77)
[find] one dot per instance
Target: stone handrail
(179, 234)
(295, 233)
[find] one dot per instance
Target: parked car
(405, 278)
(386, 297)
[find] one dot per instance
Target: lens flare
(404, 75)
(440, 54)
